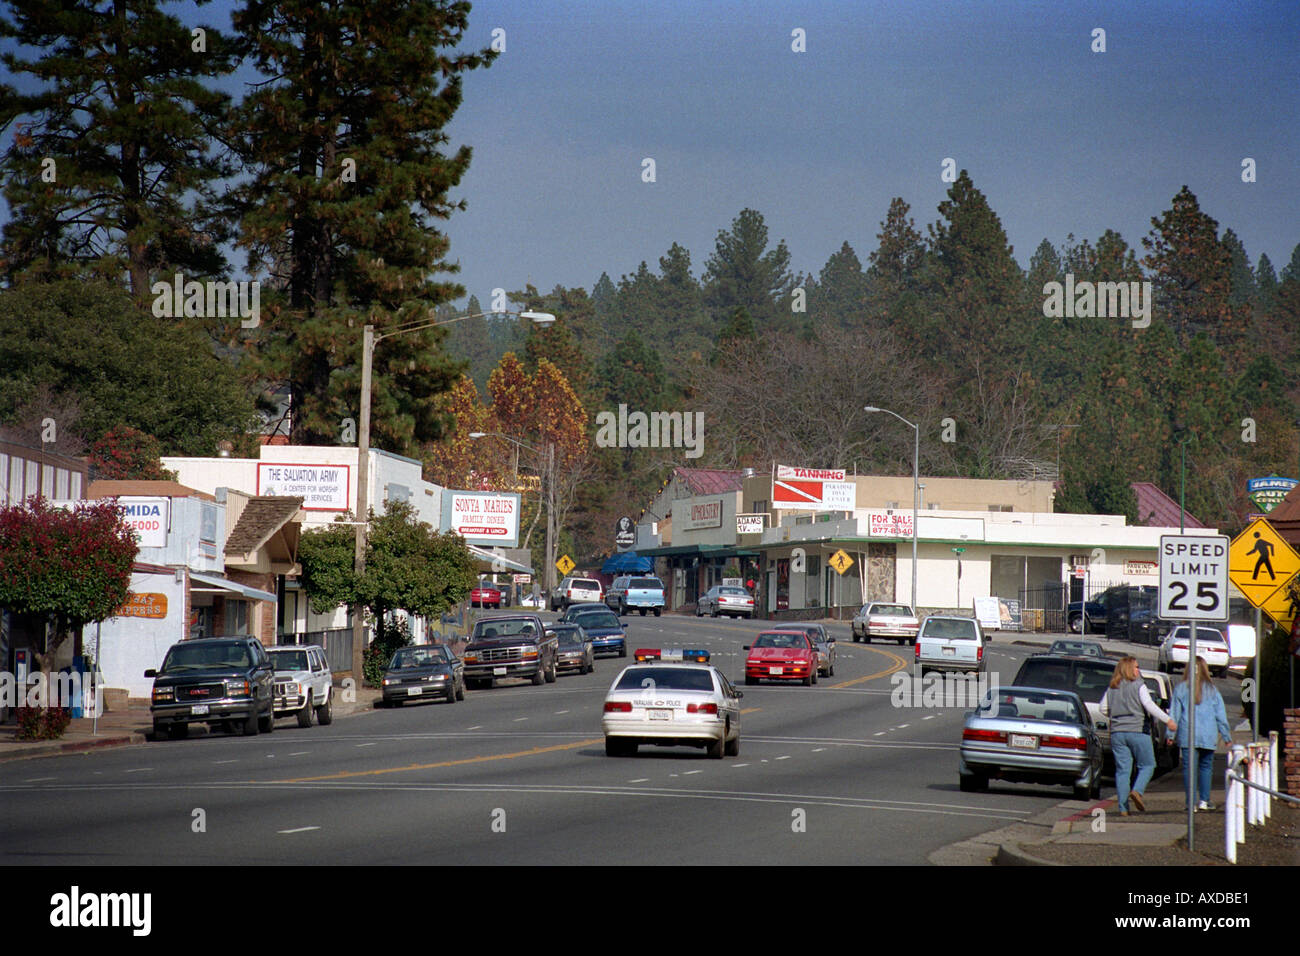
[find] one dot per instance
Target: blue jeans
(1204, 772)
(1129, 748)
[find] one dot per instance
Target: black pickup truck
(510, 645)
(226, 681)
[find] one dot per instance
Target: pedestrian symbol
(1260, 562)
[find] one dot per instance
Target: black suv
(228, 681)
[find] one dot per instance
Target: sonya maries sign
(482, 517)
(322, 487)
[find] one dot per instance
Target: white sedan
(1210, 644)
(672, 704)
(896, 622)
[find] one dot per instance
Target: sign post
(1193, 588)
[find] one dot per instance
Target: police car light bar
(645, 654)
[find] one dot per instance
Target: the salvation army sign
(482, 518)
(322, 487)
(812, 489)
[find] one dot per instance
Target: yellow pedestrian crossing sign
(564, 565)
(1260, 562)
(1284, 604)
(840, 561)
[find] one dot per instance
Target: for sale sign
(1194, 577)
(884, 525)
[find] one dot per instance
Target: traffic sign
(840, 561)
(564, 565)
(1194, 577)
(1260, 562)
(1283, 605)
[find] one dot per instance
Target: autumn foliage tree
(124, 453)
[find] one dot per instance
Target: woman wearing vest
(1127, 702)
(1211, 724)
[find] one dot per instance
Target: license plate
(950, 652)
(1024, 741)
(776, 670)
(413, 692)
(199, 709)
(499, 671)
(660, 714)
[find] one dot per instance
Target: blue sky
(1060, 139)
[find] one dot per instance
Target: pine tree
(744, 273)
(1242, 276)
(114, 161)
(345, 144)
(841, 292)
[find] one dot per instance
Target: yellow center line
(446, 763)
(751, 710)
(898, 665)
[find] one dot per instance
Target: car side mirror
(739, 694)
(151, 672)
(830, 640)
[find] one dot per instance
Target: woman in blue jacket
(1211, 724)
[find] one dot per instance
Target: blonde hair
(1126, 669)
(1202, 676)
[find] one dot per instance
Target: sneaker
(1205, 805)
(1135, 798)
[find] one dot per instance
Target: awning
(491, 561)
(627, 563)
(216, 585)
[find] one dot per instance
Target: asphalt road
(831, 774)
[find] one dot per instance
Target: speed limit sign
(1194, 577)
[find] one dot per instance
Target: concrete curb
(1010, 854)
(75, 746)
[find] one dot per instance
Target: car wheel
(1095, 793)
(699, 610)
(178, 731)
(1082, 793)
(642, 612)
(733, 747)
(972, 783)
(750, 680)
(305, 711)
(552, 672)
(451, 693)
(250, 724)
(809, 680)
(325, 712)
(832, 673)
(619, 747)
(622, 651)
(159, 730)
(460, 691)
(267, 724)
(1076, 624)
(718, 747)
(866, 637)
(539, 677)
(658, 611)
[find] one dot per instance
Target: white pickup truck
(304, 683)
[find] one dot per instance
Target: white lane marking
(689, 772)
(367, 745)
(139, 770)
(740, 765)
(879, 733)
(639, 780)
(39, 779)
(818, 750)
(225, 761)
(784, 757)
(517, 719)
(475, 727)
(901, 727)
(929, 717)
(298, 830)
(558, 712)
(299, 753)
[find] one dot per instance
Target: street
(830, 774)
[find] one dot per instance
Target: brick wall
(1290, 781)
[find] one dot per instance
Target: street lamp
(916, 485)
(368, 342)
(549, 477)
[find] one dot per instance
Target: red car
(485, 595)
(782, 655)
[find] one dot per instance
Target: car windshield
(665, 678)
(198, 657)
(597, 619)
(1087, 680)
(409, 657)
(646, 583)
(890, 610)
(950, 629)
(569, 636)
(495, 630)
(290, 660)
(1026, 705)
(792, 639)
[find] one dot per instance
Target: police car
(672, 698)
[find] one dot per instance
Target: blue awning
(627, 563)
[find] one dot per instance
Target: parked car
(575, 650)
(423, 672)
(222, 681)
(632, 593)
(576, 590)
(509, 645)
(672, 704)
(304, 684)
(781, 656)
(1077, 648)
(1031, 735)
(607, 633)
(896, 622)
(485, 595)
(725, 599)
(1161, 688)
(824, 643)
(1093, 616)
(950, 644)
(1210, 644)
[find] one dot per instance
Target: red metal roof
(710, 481)
(1156, 509)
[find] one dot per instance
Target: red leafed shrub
(126, 454)
(42, 723)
